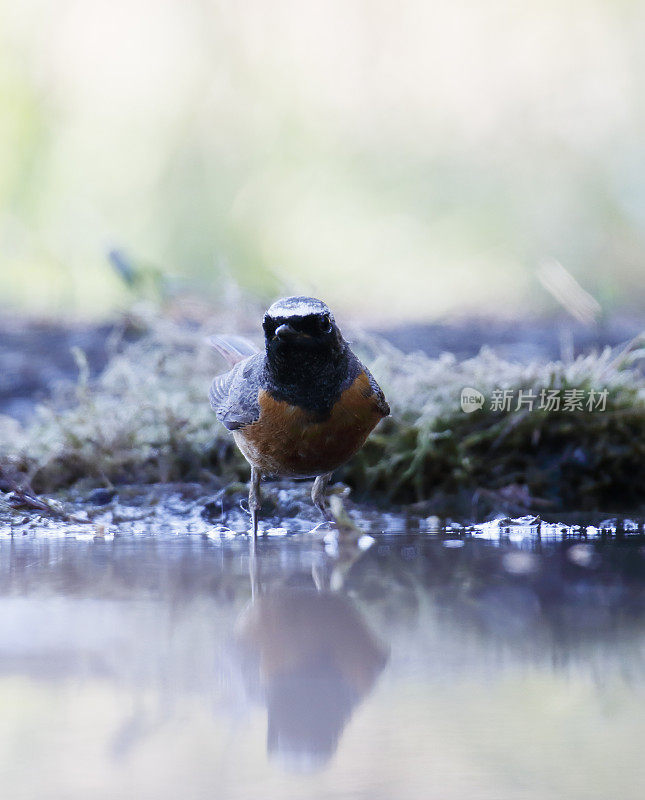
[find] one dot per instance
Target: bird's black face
(311, 330)
(306, 355)
(300, 327)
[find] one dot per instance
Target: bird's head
(300, 326)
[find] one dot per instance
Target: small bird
(301, 408)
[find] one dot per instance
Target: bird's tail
(232, 348)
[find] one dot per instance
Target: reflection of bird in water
(314, 654)
(317, 660)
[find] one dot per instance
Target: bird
(301, 407)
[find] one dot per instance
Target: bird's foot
(318, 495)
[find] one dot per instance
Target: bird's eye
(325, 324)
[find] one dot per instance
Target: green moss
(539, 459)
(147, 419)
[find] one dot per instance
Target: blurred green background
(408, 160)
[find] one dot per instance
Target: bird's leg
(255, 498)
(318, 494)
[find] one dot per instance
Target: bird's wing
(234, 395)
(232, 348)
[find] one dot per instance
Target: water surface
(505, 661)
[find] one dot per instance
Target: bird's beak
(285, 332)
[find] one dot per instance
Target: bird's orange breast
(288, 440)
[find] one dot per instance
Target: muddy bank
(526, 340)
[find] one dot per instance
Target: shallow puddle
(419, 660)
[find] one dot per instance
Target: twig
(24, 497)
